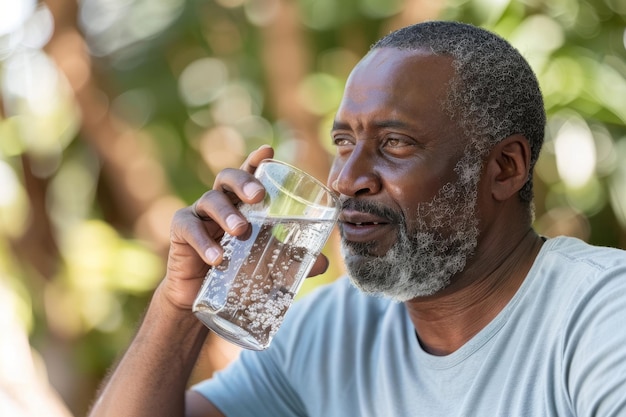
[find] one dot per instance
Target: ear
(509, 166)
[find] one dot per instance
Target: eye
(395, 142)
(342, 141)
(399, 146)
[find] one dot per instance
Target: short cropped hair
(494, 93)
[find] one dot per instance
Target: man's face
(408, 187)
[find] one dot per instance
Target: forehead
(398, 84)
(402, 65)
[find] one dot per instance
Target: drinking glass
(244, 299)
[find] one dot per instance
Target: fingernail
(212, 254)
(233, 221)
(251, 189)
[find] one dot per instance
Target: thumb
(320, 266)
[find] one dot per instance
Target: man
(461, 308)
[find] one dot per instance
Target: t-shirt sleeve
(595, 348)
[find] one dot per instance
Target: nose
(355, 175)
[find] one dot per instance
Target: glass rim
(324, 187)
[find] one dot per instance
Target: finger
(240, 184)
(254, 159)
(201, 235)
(196, 213)
(320, 266)
(215, 206)
(218, 207)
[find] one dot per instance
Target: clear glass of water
(245, 298)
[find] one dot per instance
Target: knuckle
(212, 195)
(224, 175)
(180, 215)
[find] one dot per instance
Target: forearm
(151, 378)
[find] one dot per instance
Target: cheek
(410, 188)
(406, 194)
(413, 190)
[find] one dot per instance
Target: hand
(196, 230)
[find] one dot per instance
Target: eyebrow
(339, 125)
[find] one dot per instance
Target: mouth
(358, 226)
(359, 218)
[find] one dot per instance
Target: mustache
(377, 209)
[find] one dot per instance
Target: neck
(447, 320)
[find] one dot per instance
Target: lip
(363, 227)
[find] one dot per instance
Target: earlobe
(510, 161)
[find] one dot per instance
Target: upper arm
(197, 405)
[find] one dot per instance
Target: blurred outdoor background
(115, 113)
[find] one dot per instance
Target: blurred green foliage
(194, 86)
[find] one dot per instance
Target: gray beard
(421, 262)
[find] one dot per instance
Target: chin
(394, 275)
(398, 291)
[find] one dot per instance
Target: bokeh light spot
(575, 153)
(563, 221)
(200, 81)
(232, 104)
(536, 37)
(13, 13)
(9, 185)
(262, 12)
(320, 93)
(222, 147)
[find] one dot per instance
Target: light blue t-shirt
(557, 349)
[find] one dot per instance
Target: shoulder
(593, 343)
(579, 274)
(572, 259)
(577, 252)
(585, 290)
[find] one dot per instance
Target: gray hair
(494, 93)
